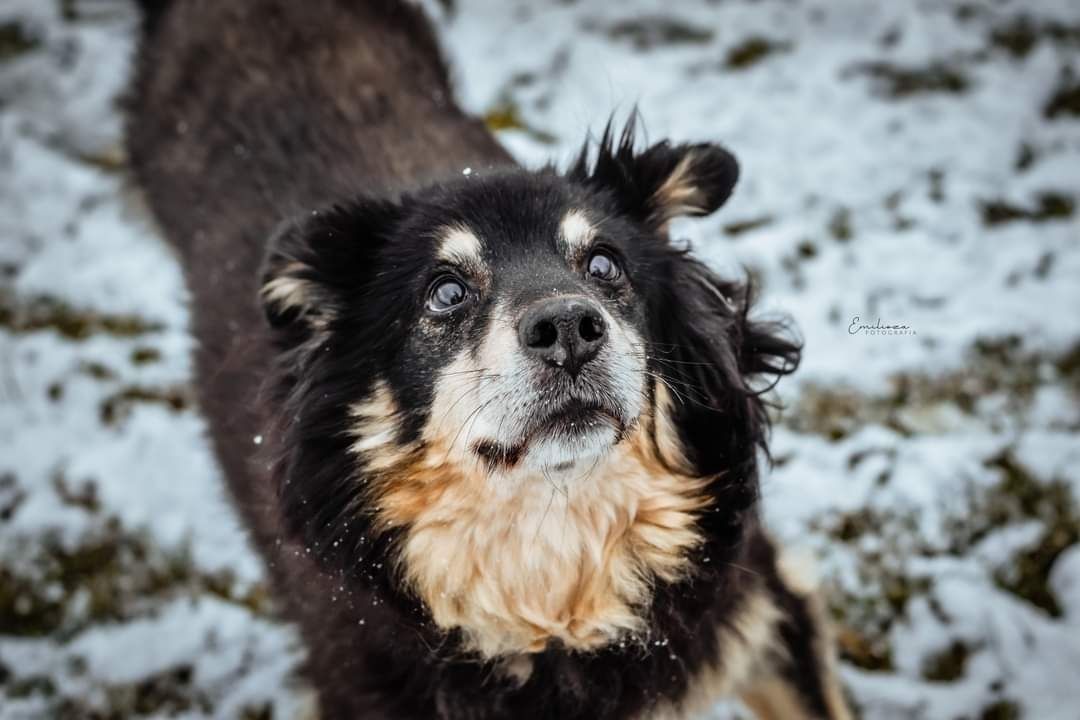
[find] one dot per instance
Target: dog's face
(523, 346)
(454, 361)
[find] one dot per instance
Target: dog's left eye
(446, 293)
(603, 266)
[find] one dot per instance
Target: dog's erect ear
(315, 262)
(662, 182)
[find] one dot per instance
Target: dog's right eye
(603, 266)
(446, 293)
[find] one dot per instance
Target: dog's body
(495, 438)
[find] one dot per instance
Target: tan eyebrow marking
(577, 232)
(458, 244)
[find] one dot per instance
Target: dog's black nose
(565, 332)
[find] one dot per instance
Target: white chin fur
(556, 452)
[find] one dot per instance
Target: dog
(496, 437)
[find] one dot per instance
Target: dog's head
(512, 397)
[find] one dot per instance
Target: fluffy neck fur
(515, 562)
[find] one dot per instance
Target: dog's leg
(800, 681)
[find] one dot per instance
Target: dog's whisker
(476, 411)
(743, 569)
(668, 361)
(543, 518)
(464, 394)
(669, 385)
(471, 420)
(473, 371)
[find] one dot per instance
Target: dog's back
(258, 108)
(247, 112)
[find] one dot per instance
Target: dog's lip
(571, 416)
(564, 421)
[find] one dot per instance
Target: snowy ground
(917, 162)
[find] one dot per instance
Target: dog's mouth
(575, 427)
(574, 419)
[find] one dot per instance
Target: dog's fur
(452, 540)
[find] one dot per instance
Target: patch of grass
(968, 11)
(806, 250)
(1020, 35)
(84, 496)
(117, 406)
(886, 585)
(947, 665)
(1017, 37)
(936, 178)
(1068, 367)
(849, 527)
(1044, 266)
(1016, 498)
(1065, 100)
(999, 365)
(830, 412)
(790, 264)
(868, 617)
(1021, 496)
(872, 653)
(890, 37)
(840, 225)
(753, 50)
(893, 201)
(886, 582)
(57, 590)
(31, 685)
(15, 40)
(744, 226)
(11, 496)
(857, 458)
(1048, 206)
(506, 115)
(898, 82)
(1001, 710)
(48, 313)
(111, 160)
(69, 10)
(55, 391)
(73, 11)
(1027, 576)
(649, 32)
(145, 356)
(96, 370)
(169, 693)
(1025, 157)
(257, 712)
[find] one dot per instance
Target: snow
(933, 463)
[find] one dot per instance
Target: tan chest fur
(517, 560)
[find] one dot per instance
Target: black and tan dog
(496, 438)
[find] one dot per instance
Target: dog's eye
(603, 267)
(446, 293)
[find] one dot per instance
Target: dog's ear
(718, 363)
(314, 263)
(659, 183)
(320, 276)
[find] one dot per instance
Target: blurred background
(910, 163)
